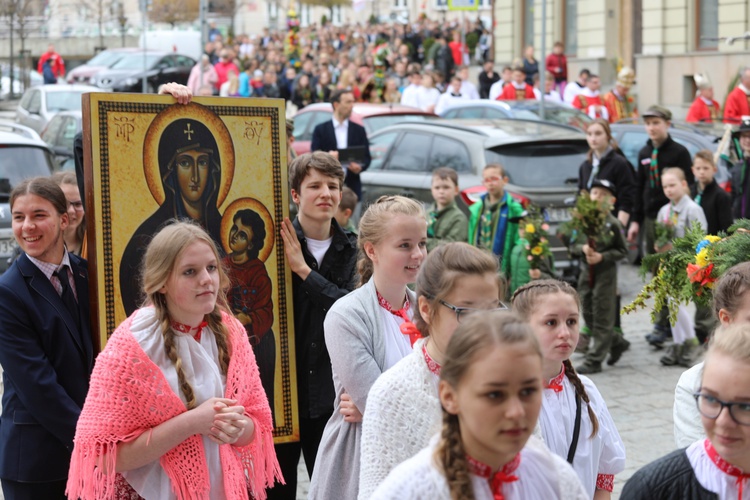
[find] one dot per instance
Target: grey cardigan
(355, 341)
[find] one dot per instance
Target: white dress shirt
(341, 129)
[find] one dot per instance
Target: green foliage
(589, 218)
(373, 20)
(472, 39)
(324, 20)
(427, 43)
(664, 233)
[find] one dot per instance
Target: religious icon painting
(220, 162)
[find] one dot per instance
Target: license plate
(7, 246)
(557, 214)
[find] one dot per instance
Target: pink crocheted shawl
(129, 395)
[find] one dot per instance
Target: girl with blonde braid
(491, 394)
(175, 408)
(575, 422)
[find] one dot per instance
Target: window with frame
(411, 153)
(399, 4)
(571, 27)
(528, 22)
(485, 4)
(336, 14)
(304, 15)
(707, 24)
(450, 153)
(441, 4)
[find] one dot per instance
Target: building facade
(666, 41)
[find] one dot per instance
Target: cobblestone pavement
(639, 393)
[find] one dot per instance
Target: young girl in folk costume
(491, 393)
(364, 335)
(731, 305)
(717, 466)
(176, 409)
(575, 421)
(403, 409)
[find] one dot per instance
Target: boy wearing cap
(597, 283)
(740, 171)
(659, 153)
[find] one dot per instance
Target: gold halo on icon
(227, 220)
(198, 113)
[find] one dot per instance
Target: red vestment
(737, 106)
(701, 112)
(511, 93)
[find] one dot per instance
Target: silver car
(39, 104)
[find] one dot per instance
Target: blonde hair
(473, 338)
(69, 178)
(442, 268)
(524, 302)
(374, 225)
(158, 264)
(732, 340)
(676, 171)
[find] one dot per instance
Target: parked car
(59, 135)
(541, 161)
(24, 155)
(528, 110)
(18, 85)
(126, 75)
(371, 116)
(101, 61)
(39, 104)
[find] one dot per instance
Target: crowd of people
(431, 361)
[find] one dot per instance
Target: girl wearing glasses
(363, 334)
(714, 467)
(731, 305)
(403, 410)
(491, 392)
(75, 233)
(575, 422)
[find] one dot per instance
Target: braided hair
(159, 261)
(474, 337)
(524, 302)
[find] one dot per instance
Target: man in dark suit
(46, 349)
(340, 133)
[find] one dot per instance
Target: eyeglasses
(464, 312)
(710, 407)
(78, 205)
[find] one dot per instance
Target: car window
(451, 113)
(35, 103)
(26, 99)
(374, 123)
(538, 165)
(21, 162)
(68, 133)
(411, 153)
(135, 61)
(51, 133)
(184, 61)
(166, 62)
(301, 121)
(64, 101)
(105, 58)
(450, 153)
(379, 147)
(475, 112)
(630, 143)
(495, 113)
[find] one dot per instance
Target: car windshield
(106, 58)
(540, 165)
(64, 101)
(35, 161)
(375, 123)
(135, 61)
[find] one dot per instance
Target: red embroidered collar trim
(556, 384)
(183, 328)
(433, 365)
(726, 467)
(496, 480)
(401, 313)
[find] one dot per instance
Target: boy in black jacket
(715, 202)
(659, 153)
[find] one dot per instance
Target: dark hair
(336, 94)
(506, 68)
(592, 76)
(730, 289)
(442, 268)
(43, 187)
(445, 173)
(251, 219)
(497, 166)
(320, 161)
(584, 71)
(472, 339)
(525, 300)
(349, 199)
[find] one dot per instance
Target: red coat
(222, 71)
(558, 66)
(738, 105)
(510, 94)
(700, 111)
(585, 102)
(57, 64)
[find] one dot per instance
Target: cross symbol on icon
(189, 132)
